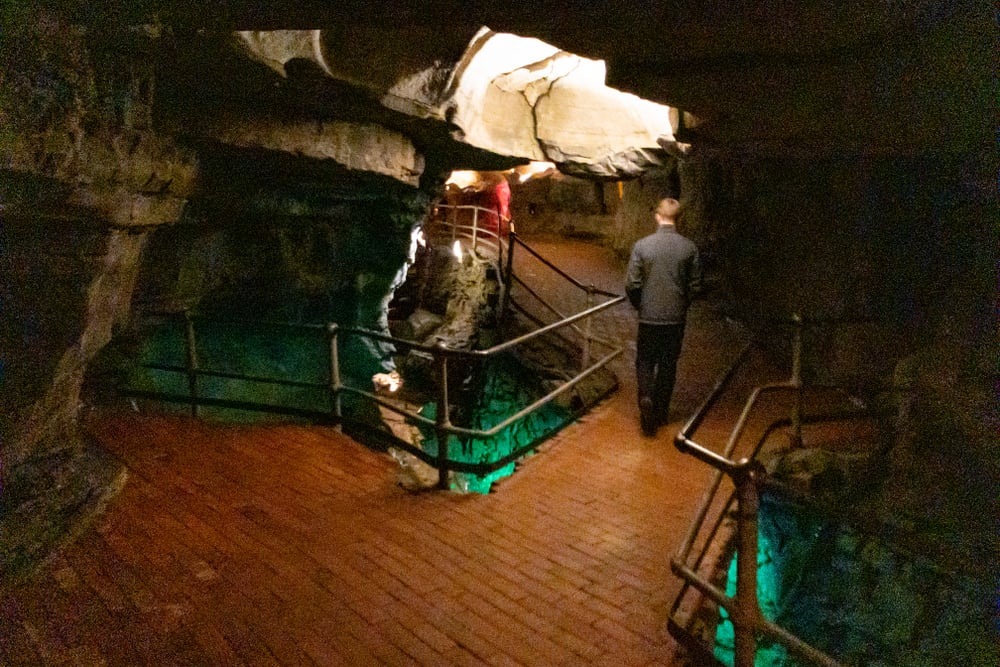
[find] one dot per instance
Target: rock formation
(836, 161)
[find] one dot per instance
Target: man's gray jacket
(664, 274)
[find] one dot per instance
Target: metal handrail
(571, 279)
(555, 311)
(336, 387)
(499, 347)
(591, 292)
(747, 475)
(493, 430)
(473, 231)
(439, 353)
(506, 272)
(237, 376)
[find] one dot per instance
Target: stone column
(83, 179)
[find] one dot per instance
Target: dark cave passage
(229, 205)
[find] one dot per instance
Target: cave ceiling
(805, 78)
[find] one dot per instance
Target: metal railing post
(797, 381)
(587, 327)
(475, 226)
(443, 418)
(746, 615)
(192, 361)
(501, 260)
(335, 384)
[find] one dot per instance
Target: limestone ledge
(122, 208)
(136, 163)
(356, 146)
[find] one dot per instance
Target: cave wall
(564, 205)
(83, 177)
(106, 202)
(302, 256)
(615, 213)
(902, 244)
(896, 257)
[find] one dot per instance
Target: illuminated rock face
(361, 147)
(506, 94)
(85, 177)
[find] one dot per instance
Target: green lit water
(507, 388)
(499, 390)
(859, 600)
(280, 353)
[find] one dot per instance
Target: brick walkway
(294, 545)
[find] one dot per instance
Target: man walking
(663, 275)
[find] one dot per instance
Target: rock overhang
(516, 97)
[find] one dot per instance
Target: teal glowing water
(501, 389)
(860, 601)
(506, 389)
(294, 355)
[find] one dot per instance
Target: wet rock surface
(47, 501)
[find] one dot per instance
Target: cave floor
(288, 544)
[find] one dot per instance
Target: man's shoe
(646, 417)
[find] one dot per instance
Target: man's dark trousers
(658, 346)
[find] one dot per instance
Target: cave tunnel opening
(795, 583)
(289, 176)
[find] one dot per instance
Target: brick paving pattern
(295, 545)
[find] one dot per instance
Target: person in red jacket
(496, 198)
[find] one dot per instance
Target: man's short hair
(668, 208)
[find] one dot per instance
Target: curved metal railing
(336, 386)
(747, 475)
(437, 228)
